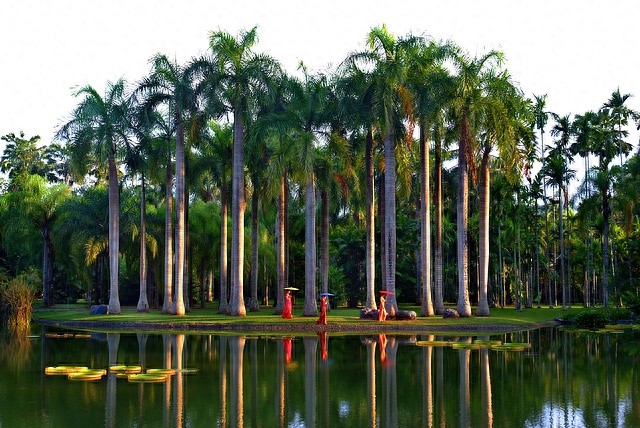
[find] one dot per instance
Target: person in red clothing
(287, 306)
(322, 320)
(382, 312)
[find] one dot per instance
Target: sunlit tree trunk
(168, 242)
(425, 226)
(223, 304)
(310, 306)
(439, 299)
(370, 249)
(114, 235)
(280, 247)
(483, 201)
(389, 240)
(236, 302)
(464, 305)
(143, 303)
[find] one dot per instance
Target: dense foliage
(133, 168)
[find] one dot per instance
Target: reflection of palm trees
(391, 390)
(324, 377)
(178, 397)
(166, 344)
(465, 403)
(281, 384)
(427, 385)
(223, 381)
(113, 340)
(487, 405)
(371, 381)
(236, 345)
(310, 348)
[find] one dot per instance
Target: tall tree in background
(100, 127)
(240, 74)
(469, 104)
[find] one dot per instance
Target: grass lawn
(346, 317)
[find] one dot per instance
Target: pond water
(565, 379)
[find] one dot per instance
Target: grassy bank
(341, 319)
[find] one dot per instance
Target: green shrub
(617, 314)
(632, 302)
(591, 319)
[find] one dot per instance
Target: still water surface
(565, 379)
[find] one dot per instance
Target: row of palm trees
(292, 133)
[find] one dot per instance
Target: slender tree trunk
(253, 304)
(143, 302)
(114, 236)
(178, 301)
(223, 304)
(464, 305)
(324, 239)
(439, 300)
(236, 302)
(605, 249)
(168, 242)
(562, 262)
(483, 185)
(310, 306)
(383, 227)
(389, 241)
(280, 248)
(425, 225)
(370, 250)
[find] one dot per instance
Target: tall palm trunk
(370, 249)
(114, 235)
(223, 304)
(562, 262)
(464, 306)
(439, 300)
(253, 286)
(389, 241)
(168, 242)
(178, 302)
(425, 225)
(280, 247)
(310, 306)
(324, 239)
(483, 280)
(143, 302)
(605, 249)
(238, 203)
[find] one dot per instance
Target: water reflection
(564, 379)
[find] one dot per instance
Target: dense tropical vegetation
(130, 204)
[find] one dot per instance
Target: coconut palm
(100, 127)
(387, 57)
(240, 75)
(170, 87)
(470, 105)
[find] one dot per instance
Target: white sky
(577, 52)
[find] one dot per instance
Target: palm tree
(100, 126)
(21, 158)
(391, 102)
(469, 104)
(428, 83)
(620, 115)
(36, 205)
(170, 86)
(240, 74)
(541, 119)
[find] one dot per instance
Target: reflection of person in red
(322, 320)
(382, 340)
(287, 349)
(382, 312)
(322, 336)
(287, 306)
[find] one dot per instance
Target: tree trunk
(605, 250)
(168, 242)
(324, 240)
(253, 303)
(238, 203)
(143, 303)
(223, 304)
(464, 306)
(114, 236)
(310, 306)
(178, 302)
(425, 225)
(562, 262)
(370, 250)
(280, 249)
(389, 241)
(439, 300)
(483, 185)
